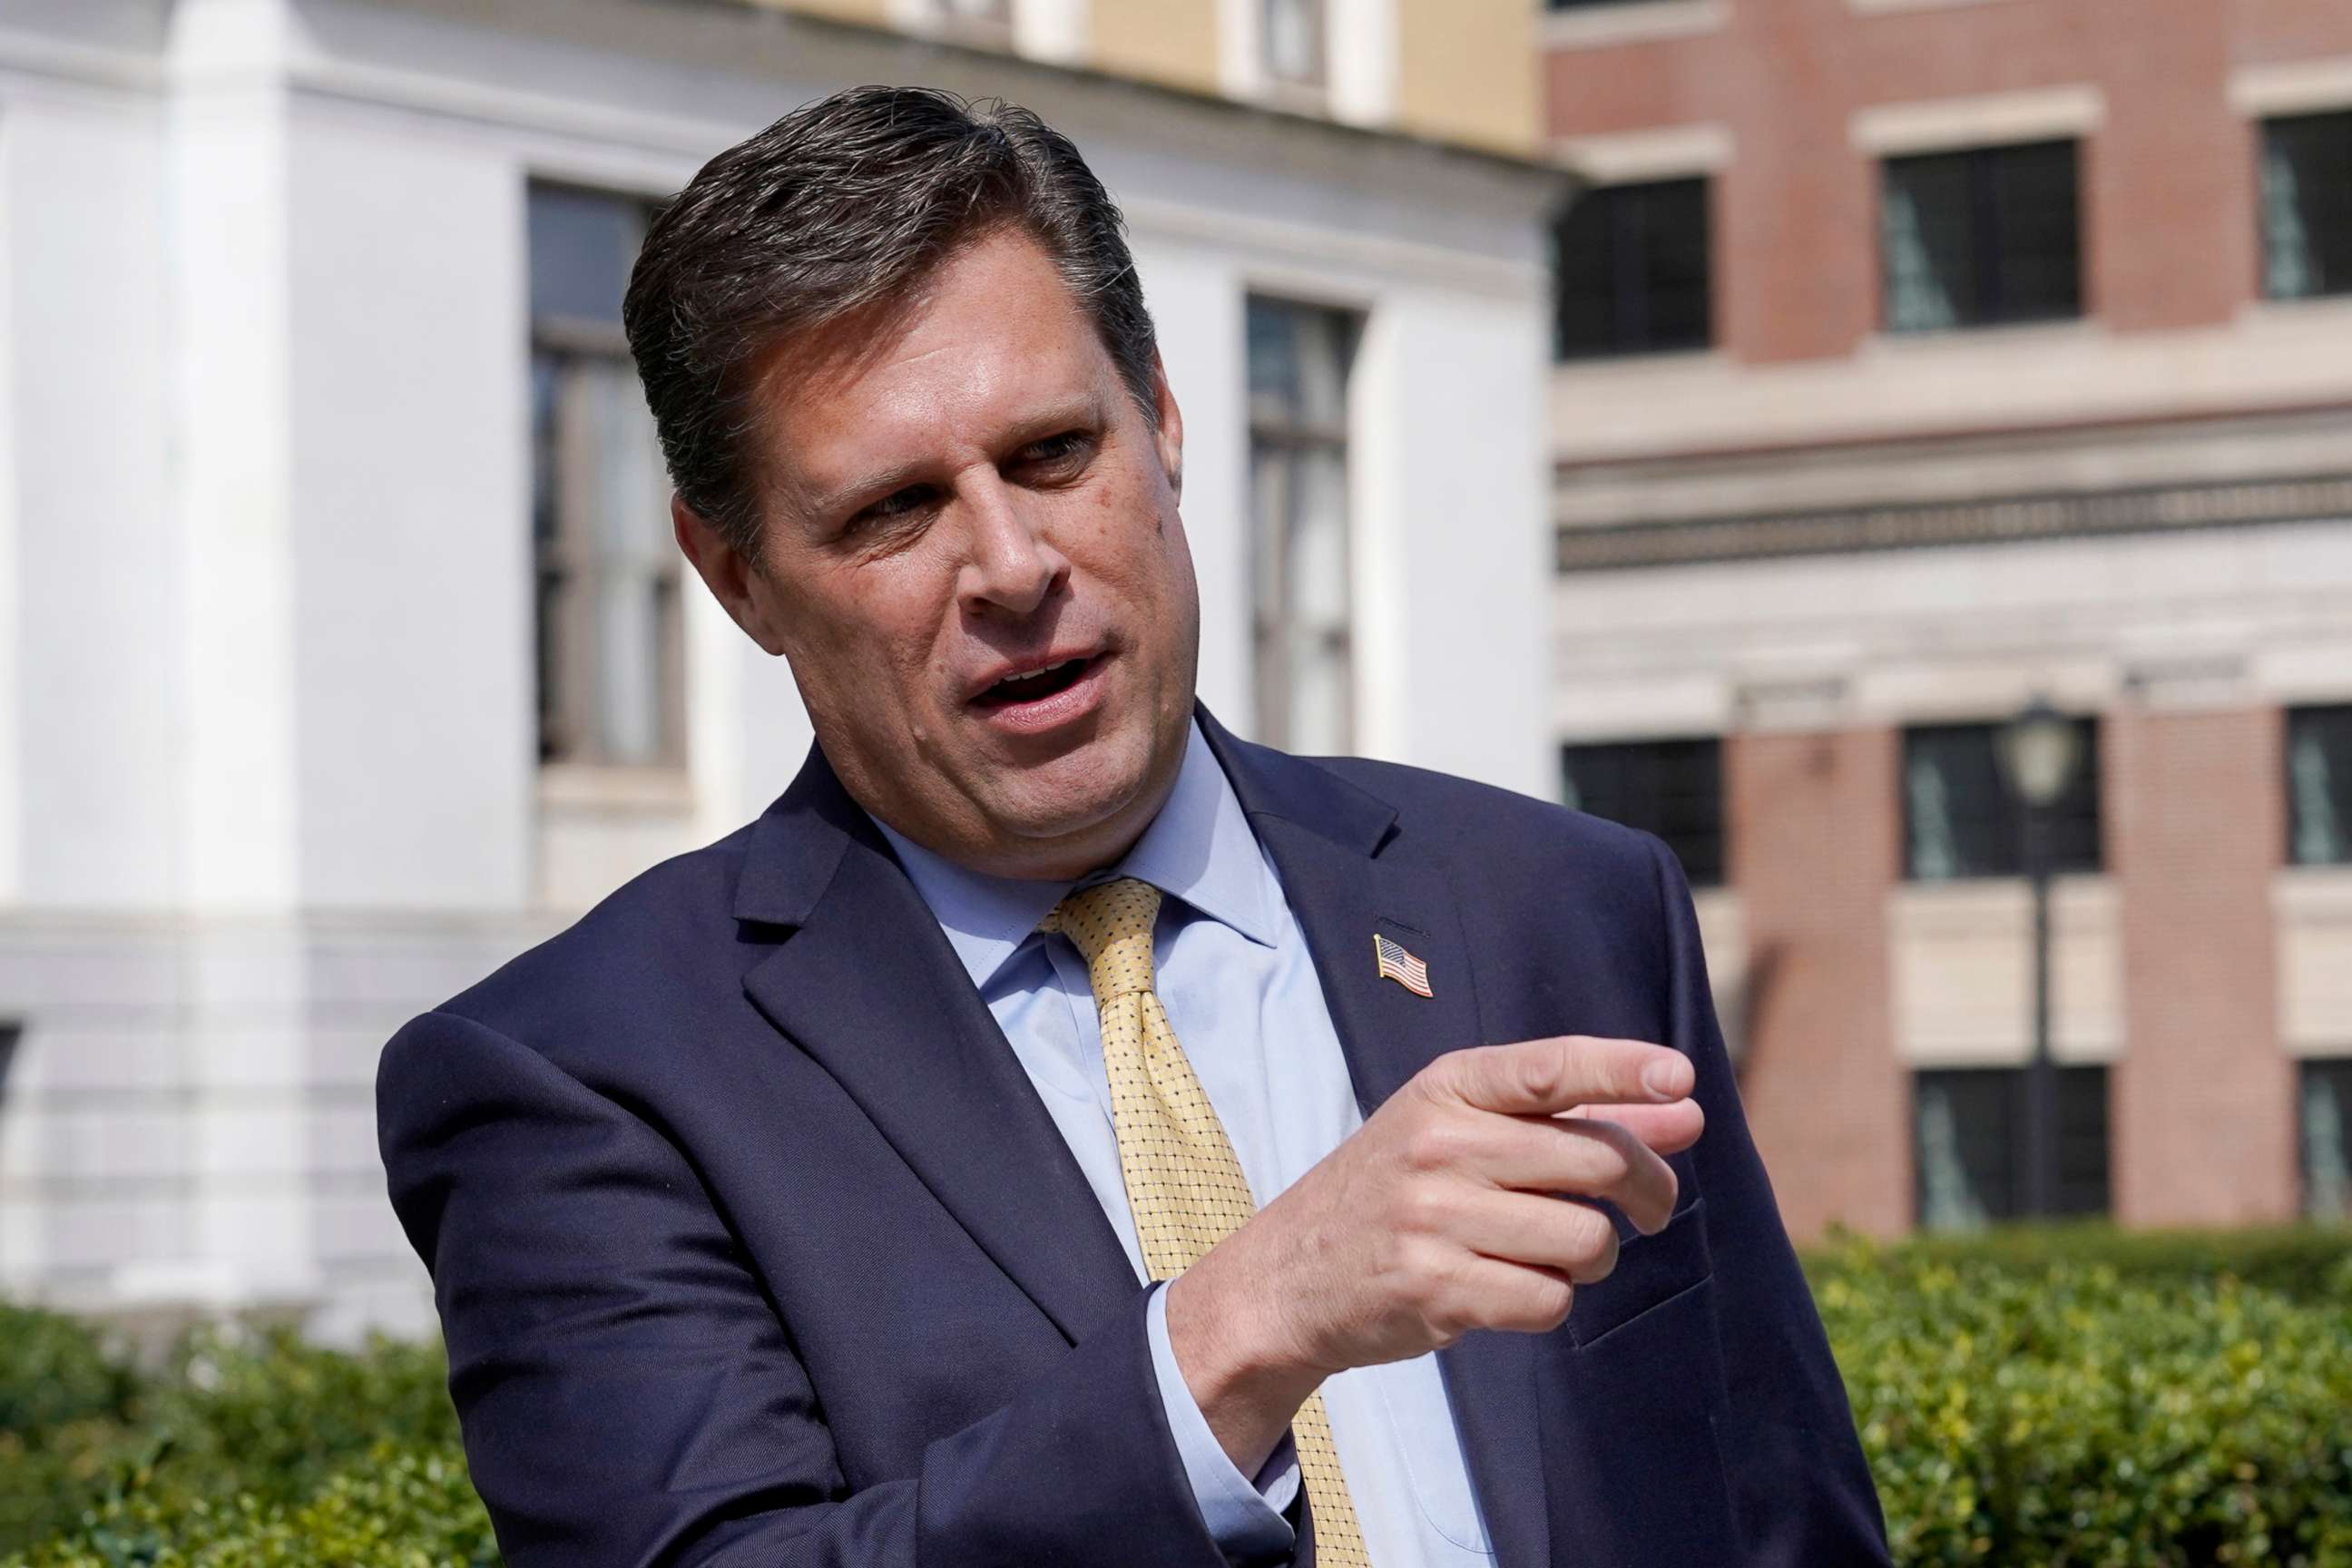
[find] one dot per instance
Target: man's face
(973, 559)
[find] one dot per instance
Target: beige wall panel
(1964, 971)
(2314, 922)
(1172, 41)
(1468, 72)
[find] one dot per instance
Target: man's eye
(1066, 450)
(896, 504)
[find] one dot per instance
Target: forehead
(993, 339)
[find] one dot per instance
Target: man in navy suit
(1058, 1131)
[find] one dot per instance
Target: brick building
(1915, 359)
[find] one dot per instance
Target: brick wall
(2203, 1100)
(2168, 185)
(1814, 846)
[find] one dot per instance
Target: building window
(2319, 787)
(2307, 206)
(1299, 357)
(1291, 41)
(1671, 788)
(2326, 1105)
(1982, 238)
(1960, 819)
(1632, 269)
(1968, 1144)
(610, 646)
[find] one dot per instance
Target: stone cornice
(1922, 525)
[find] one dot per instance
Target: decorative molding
(1673, 151)
(1998, 519)
(1633, 22)
(1983, 120)
(2292, 86)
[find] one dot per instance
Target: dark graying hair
(842, 206)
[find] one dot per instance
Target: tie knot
(1110, 925)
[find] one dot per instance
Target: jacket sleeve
(1800, 1487)
(629, 1395)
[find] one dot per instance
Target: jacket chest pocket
(1651, 1270)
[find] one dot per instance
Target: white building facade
(344, 655)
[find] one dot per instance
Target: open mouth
(1035, 686)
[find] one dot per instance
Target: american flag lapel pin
(1395, 963)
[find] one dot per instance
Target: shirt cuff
(1245, 1518)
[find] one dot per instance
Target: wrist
(1245, 1385)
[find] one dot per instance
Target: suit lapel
(869, 986)
(1326, 839)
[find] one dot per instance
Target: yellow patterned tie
(1183, 1181)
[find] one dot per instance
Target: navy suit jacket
(753, 1244)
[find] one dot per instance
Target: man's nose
(1011, 566)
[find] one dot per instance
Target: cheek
(871, 633)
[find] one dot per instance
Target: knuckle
(1540, 1072)
(1542, 1306)
(1432, 1143)
(1419, 1208)
(1612, 1162)
(1589, 1234)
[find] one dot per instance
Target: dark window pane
(582, 245)
(2034, 263)
(1968, 1144)
(2306, 205)
(1960, 820)
(2082, 1139)
(1981, 237)
(2326, 1138)
(1632, 271)
(1671, 788)
(2319, 787)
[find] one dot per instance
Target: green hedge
(2074, 1414)
(2075, 1396)
(2303, 1262)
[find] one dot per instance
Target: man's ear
(1170, 436)
(733, 578)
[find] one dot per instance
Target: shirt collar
(1199, 849)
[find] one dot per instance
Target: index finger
(1559, 1073)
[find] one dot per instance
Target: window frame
(2089, 784)
(2089, 1198)
(2267, 128)
(1705, 870)
(2297, 719)
(2337, 1069)
(1316, 82)
(1273, 430)
(568, 569)
(1983, 168)
(1627, 213)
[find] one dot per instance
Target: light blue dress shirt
(1236, 981)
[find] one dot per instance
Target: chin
(1076, 792)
